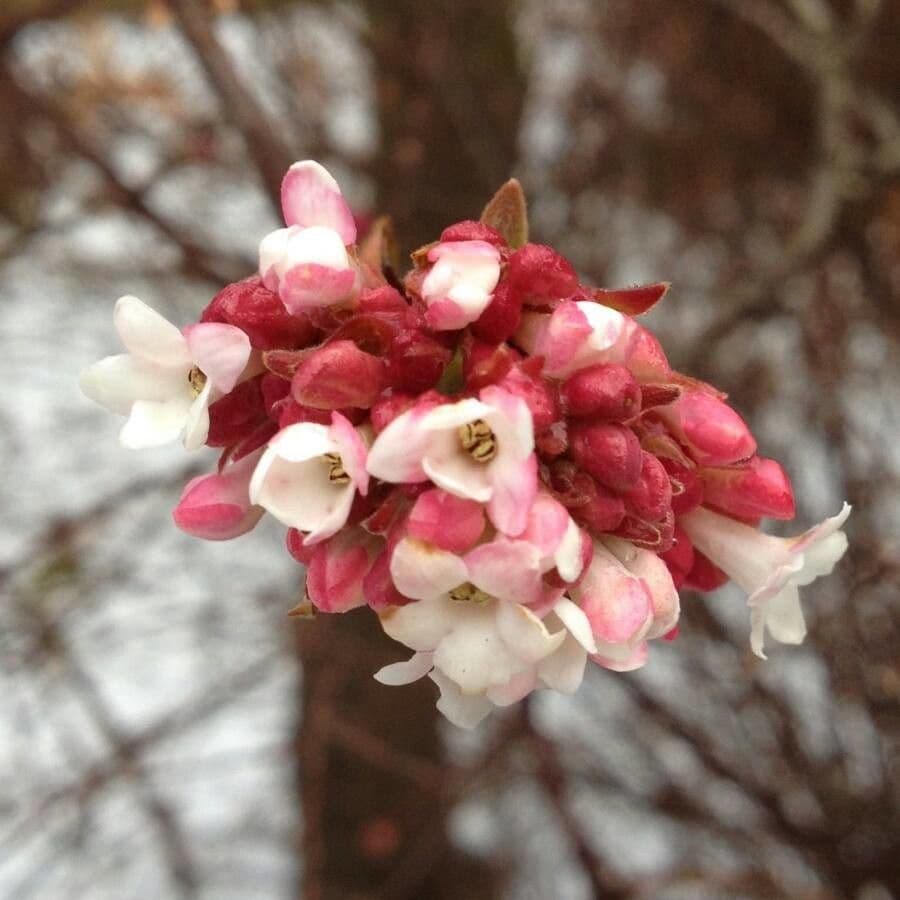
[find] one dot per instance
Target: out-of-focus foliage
(151, 699)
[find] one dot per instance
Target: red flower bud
(687, 492)
(540, 275)
(415, 361)
(611, 453)
(762, 488)
(651, 498)
(274, 390)
(603, 512)
(570, 485)
(236, 415)
(485, 364)
(470, 230)
(680, 557)
(501, 317)
(704, 576)
(260, 314)
(336, 375)
(537, 393)
(605, 391)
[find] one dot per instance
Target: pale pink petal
(148, 336)
(569, 556)
(509, 570)
(423, 571)
(449, 522)
(447, 315)
(621, 657)
(406, 672)
(451, 468)
(272, 251)
(452, 415)
(525, 634)
(220, 351)
(514, 489)
(460, 710)
(311, 285)
(154, 423)
(311, 196)
(561, 338)
(458, 288)
(352, 450)
(548, 520)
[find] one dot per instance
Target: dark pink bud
(540, 275)
(680, 557)
(762, 488)
(570, 485)
(370, 333)
(645, 356)
(485, 364)
(610, 453)
(260, 314)
(470, 230)
(537, 393)
(501, 317)
(415, 361)
(448, 522)
(383, 300)
(274, 390)
(606, 391)
(338, 375)
(713, 432)
(236, 415)
(704, 576)
(290, 412)
(602, 513)
(651, 498)
(296, 547)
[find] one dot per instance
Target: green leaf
(452, 380)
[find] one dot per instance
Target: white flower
(309, 475)
(482, 647)
(459, 286)
(770, 569)
(168, 378)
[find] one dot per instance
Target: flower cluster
(496, 458)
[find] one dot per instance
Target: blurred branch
(264, 146)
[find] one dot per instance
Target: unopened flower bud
(602, 513)
(485, 364)
(415, 361)
(537, 393)
(540, 275)
(760, 489)
(338, 375)
(470, 230)
(610, 453)
(704, 575)
(235, 415)
(604, 391)
(651, 498)
(679, 557)
(451, 523)
(502, 315)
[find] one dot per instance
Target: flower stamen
(468, 593)
(337, 474)
(197, 380)
(478, 440)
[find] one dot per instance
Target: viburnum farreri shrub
(493, 456)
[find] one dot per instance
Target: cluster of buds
(494, 457)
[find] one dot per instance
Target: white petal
(152, 423)
(117, 382)
(514, 690)
(423, 571)
(406, 672)
(303, 441)
(452, 415)
(462, 711)
(196, 428)
(821, 557)
(315, 245)
(564, 670)
(422, 625)
(451, 468)
(568, 558)
(575, 620)
(525, 634)
(784, 617)
(220, 351)
(148, 336)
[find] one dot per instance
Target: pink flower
(459, 285)
(480, 449)
(770, 569)
(307, 263)
(167, 380)
(309, 475)
(217, 507)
